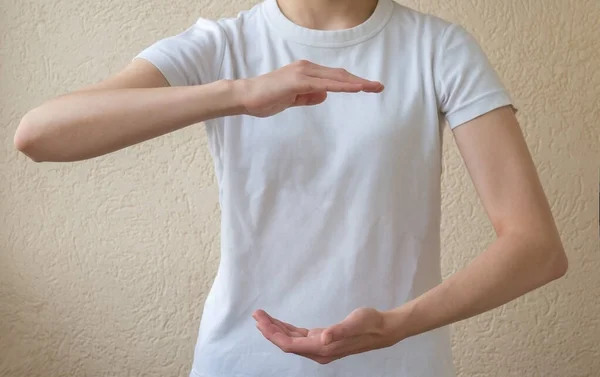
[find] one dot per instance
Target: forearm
(87, 124)
(509, 268)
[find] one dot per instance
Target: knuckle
(301, 65)
(299, 71)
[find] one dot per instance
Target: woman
(329, 182)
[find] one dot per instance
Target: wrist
(396, 323)
(238, 90)
(224, 97)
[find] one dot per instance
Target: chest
(348, 131)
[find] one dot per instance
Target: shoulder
(214, 31)
(427, 28)
(419, 20)
(464, 80)
(195, 54)
(246, 21)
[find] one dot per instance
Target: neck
(327, 14)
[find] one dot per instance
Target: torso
(328, 208)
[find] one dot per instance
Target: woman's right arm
(138, 104)
(135, 105)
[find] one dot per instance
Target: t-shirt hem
(478, 107)
(165, 67)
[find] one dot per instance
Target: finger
(301, 345)
(273, 334)
(338, 74)
(287, 328)
(315, 85)
(268, 329)
(290, 328)
(341, 75)
(263, 317)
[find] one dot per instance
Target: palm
(360, 331)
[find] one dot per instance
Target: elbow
(27, 139)
(543, 255)
(551, 262)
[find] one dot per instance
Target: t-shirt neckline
(328, 38)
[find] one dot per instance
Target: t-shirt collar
(328, 38)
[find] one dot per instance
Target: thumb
(335, 334)
(310, 99)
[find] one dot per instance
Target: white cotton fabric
(330, 208)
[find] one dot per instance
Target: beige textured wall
(104, 264)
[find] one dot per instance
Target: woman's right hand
(301, 83)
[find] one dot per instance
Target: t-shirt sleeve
(192, 57)
(467, 86)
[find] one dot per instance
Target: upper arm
(504, 175)
(480, 112)
(137, 74)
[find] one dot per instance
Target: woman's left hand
(363, 330)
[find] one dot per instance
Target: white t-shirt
(330, 208)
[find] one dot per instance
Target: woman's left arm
(527, 252)
(526, 255)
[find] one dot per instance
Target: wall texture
(104, 264)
